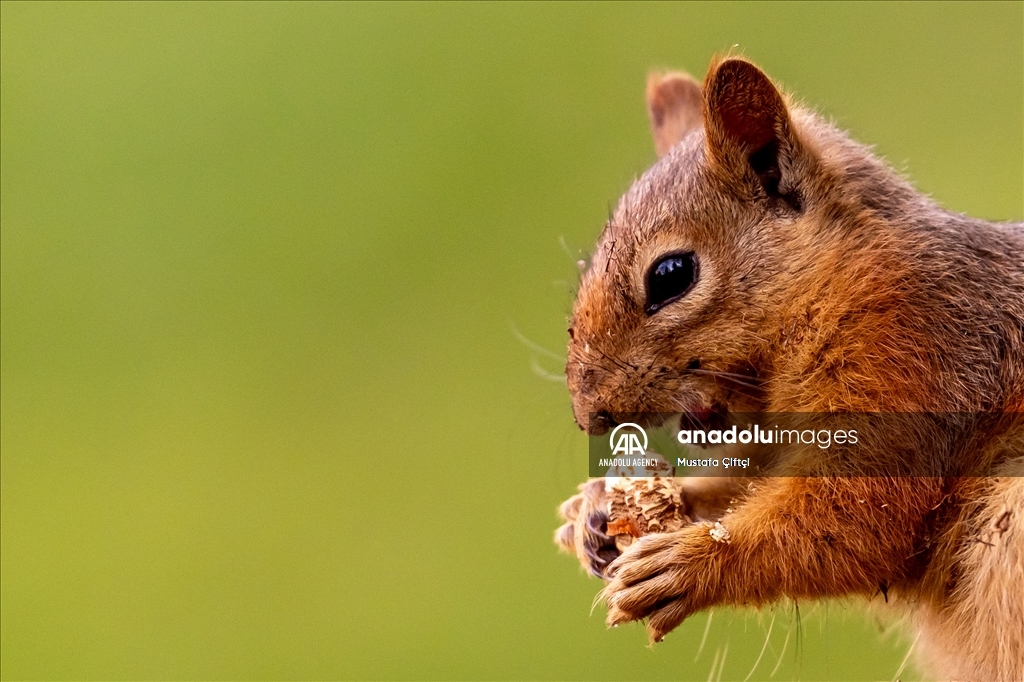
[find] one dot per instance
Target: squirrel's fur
(826, 284)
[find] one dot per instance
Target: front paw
(585, 533)
(664, 578)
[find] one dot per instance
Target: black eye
(669, 279)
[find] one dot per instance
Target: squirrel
(767, 263)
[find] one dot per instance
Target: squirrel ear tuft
(746, 121)
(674, 106)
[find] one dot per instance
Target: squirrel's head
(669, 314)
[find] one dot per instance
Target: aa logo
(629, 440)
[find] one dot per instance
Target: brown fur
(835, 287)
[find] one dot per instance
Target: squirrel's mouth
(715, 416)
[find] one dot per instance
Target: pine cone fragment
(641, 506)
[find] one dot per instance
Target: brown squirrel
(768, 263)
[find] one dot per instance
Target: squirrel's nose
(598, 423)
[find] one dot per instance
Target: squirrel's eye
(669, 279)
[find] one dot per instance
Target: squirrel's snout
(592, 413)
(599, 401)
(597, 423)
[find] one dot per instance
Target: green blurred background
(262, 263)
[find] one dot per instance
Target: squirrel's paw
(664, 578)
(585, 533)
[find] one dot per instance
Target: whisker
(544, 374)
(599, 365)
(721, 373)
(721, 666)
(907, 657)
(785, 644)
(707, 628)
(767, 639)
(574, 257)
(532, 345)
(618, 363)
(597, 600)
(728, 376)
(714, 664)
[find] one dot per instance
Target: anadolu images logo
(628, 442)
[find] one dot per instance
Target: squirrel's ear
(746, 122)
(674, 106)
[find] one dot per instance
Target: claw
(666, 619)
(600, 558)
(597, 524)
(593, 556)
(586, 532)
(615, 618)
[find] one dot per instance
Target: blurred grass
(259, 264)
